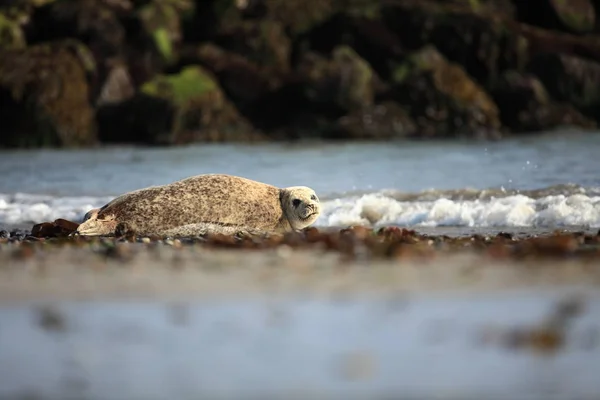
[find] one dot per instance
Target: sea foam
(428, 209)
(511, 211)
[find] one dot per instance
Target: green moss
(162, 19)
(83, 53)
(191, 83)
(11, 35)
(163, 43)
(475, 4)
(577, 15)
(401, 72)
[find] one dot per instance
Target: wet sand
(355, 260)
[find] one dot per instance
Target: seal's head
(301, 206)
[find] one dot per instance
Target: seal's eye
(313, 197)
(296, 202)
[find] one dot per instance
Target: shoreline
(352, 261)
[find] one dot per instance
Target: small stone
(19, 234)
(4, 234)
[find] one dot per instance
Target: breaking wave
(556, 206)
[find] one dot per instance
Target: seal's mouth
(309, 215)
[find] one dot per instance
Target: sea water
(536, 182)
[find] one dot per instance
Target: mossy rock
(243, 80)
(577, 15)
(481, 42)
(570, 79)
(92, 22)
(263, 42)
(442, 98)
(384, 121)
(192, 82)
(45, 97)
(526, 106)
(344, 82)
(175, 109)
(11, 34)
(370, 38)
(299, 16)
(163, 21)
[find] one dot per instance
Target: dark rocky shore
(351, 243)
(165, 72)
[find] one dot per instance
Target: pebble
(19, 234)
(4, 234)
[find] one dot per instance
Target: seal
(201, 204)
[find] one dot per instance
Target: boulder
(577, 16)
(525, 105)
(141, 35)
(172, 109)
(442, 98)
(383, 121)
(162, 19)
(11, 34)
(570, 79)
(243, 80)
(117, 87)
(44, 96)
(369, 37)
(263, 42)
(342, 83)
(483, 43)
(93, 22)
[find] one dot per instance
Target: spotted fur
(212, 203)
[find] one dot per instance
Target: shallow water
(528, 182)
(413, 347)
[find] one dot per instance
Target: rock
(243, 80)
(343, 83)
(162, 20)
(577, 16)
(525, 105)
(370, 38)
(142, 38)
(58, 228)
(442, 98)
(44, 96)
(93, 22)
(118, 86)
(19, 234)
(266, 96)
(381, 121)
(482, 42)
(570, 79)
(297, 16)
(11, 34)
(542, 41)
(262, 42)
(175, 109)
